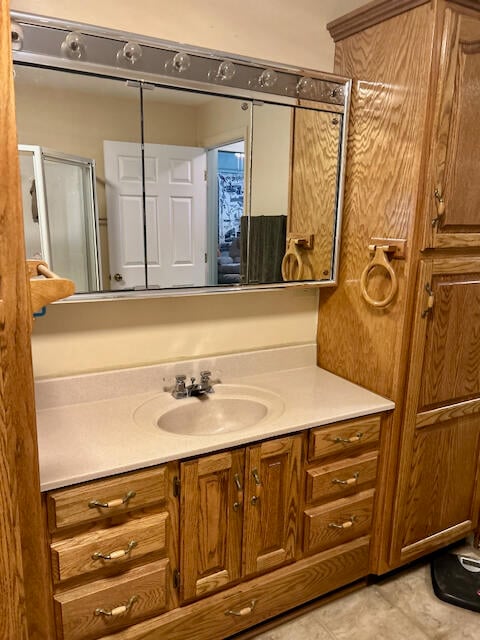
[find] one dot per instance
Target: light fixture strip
(71, 47)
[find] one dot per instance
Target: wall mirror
(150, 168)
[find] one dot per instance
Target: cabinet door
(272, 488)
(454, 209)
(437, 501)
(211, 522)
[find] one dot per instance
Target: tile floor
(399, 607)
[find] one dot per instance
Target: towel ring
(292, 263)
(379, 260)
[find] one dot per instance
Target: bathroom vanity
(204, 528)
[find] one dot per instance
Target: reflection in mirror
(314, 200)
(63, 120)
(271, 167)
(194, 182)
(154, 174)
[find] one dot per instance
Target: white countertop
(96, 438)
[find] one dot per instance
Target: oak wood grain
(441, 414)
(76, 556)
(454, 157)
(451, 367)
(69, 507)
(316, 146)
(76, 608)
(385, 148)
(271, 507)
(211, 525)
(344, 438)
(323, 524)
(369, 15)
(24, 567)
(338, 479)
(273, 593)
(443, 478)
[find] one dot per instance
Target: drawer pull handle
(238, 484)
(256, 477)
(349, 482)
(114, 555)
(345, 525)
(117, 611)
(356, 438)
(113, 503)
(242, 612)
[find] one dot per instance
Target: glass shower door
(60, 214)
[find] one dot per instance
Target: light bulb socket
(16, 36)
(74, 46)
(131, 52)
(268, 78)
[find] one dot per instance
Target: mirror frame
(32, 46)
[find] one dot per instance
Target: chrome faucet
(181, 390)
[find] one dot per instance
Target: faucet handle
(180, 378)
(205, 376)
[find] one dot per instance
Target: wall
(89, 336)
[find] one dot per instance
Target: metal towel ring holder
(292, 263)
(379, 260)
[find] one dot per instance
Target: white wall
(83, 337)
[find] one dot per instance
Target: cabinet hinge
(205, 175)
(430, 301)
(176, 487)
(176, 579)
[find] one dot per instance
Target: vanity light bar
(73, 46)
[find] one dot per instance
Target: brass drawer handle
(242, 612)
(356, 438)
(114, 555)
(344, 525)
(349, 482)
(239, 501)
(113, 503)
(117, 611)
(256, 477)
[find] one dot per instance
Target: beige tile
(305, 627)
(367, 615)
(411, 592)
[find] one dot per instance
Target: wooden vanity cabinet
(454, 198)
(213, 545)
(340, 483)
(439, 500)
(113, 551)
(239, 512)
(411, 175)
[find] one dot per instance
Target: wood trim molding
(25, 603)
(371, 14)
(469, 4)
(442, 414)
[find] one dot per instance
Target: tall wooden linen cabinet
(413, 175)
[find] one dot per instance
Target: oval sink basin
(229, 408)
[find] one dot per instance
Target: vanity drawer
(337, 522)
(123, 543)
(83, 503)
(334, 480)
(224, 614)
(140, 593)
(346, 437)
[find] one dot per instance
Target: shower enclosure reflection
(60, 213)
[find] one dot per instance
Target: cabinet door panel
(211, 522)
(443, 478)
(451, 368)
(456, 155)
(272, 485)
(437, 499)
